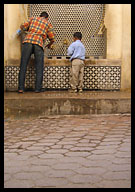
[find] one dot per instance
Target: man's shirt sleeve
(25, 25)
(51, 33)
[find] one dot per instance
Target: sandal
(20, 91)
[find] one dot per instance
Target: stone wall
(117, 22)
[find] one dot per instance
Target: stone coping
(66, 62)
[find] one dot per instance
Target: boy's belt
(77, 58)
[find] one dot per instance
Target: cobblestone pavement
(68, 152)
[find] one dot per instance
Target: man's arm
(25, 25)
(49, 44)
(50, 35)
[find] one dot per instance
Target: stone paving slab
(88, 151)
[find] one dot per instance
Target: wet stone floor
(91, 151)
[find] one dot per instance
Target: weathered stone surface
(65, 103)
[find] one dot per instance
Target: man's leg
(39, 65)
(26, 53)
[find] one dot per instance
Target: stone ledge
(64, 103)
(65, 62)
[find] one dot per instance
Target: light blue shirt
(76, 50)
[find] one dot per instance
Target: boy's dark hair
(78, 35)
(44, 14)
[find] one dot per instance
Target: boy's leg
(74, 74)
(81, 74)
(26, 53)
(39, 65)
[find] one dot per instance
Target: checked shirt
(38, 29)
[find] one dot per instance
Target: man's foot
(37, 91)
(20, 91)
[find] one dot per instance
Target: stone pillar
(14, 15)
(126, 47)
(118, 23)
(5, 40)
(113, 23)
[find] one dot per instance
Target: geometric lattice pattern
(70, 18)
(102, 77)
(57, 77)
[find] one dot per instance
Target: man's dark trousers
(27, 50)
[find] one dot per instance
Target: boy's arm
(70, 50)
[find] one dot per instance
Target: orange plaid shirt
(38, 29)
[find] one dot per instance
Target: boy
(77, 52)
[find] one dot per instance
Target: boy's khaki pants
(76, 74)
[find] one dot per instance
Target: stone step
(32, 104)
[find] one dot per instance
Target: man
(38, 29)
(77, 52)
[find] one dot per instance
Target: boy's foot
(80, 91)
(73, 90)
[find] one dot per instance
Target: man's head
(77, 35)
(44, 14)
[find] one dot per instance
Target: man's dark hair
(44, 14)
(78, 35)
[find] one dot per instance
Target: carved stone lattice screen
(57, 77)
(70, 18)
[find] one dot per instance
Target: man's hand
(49, 45)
